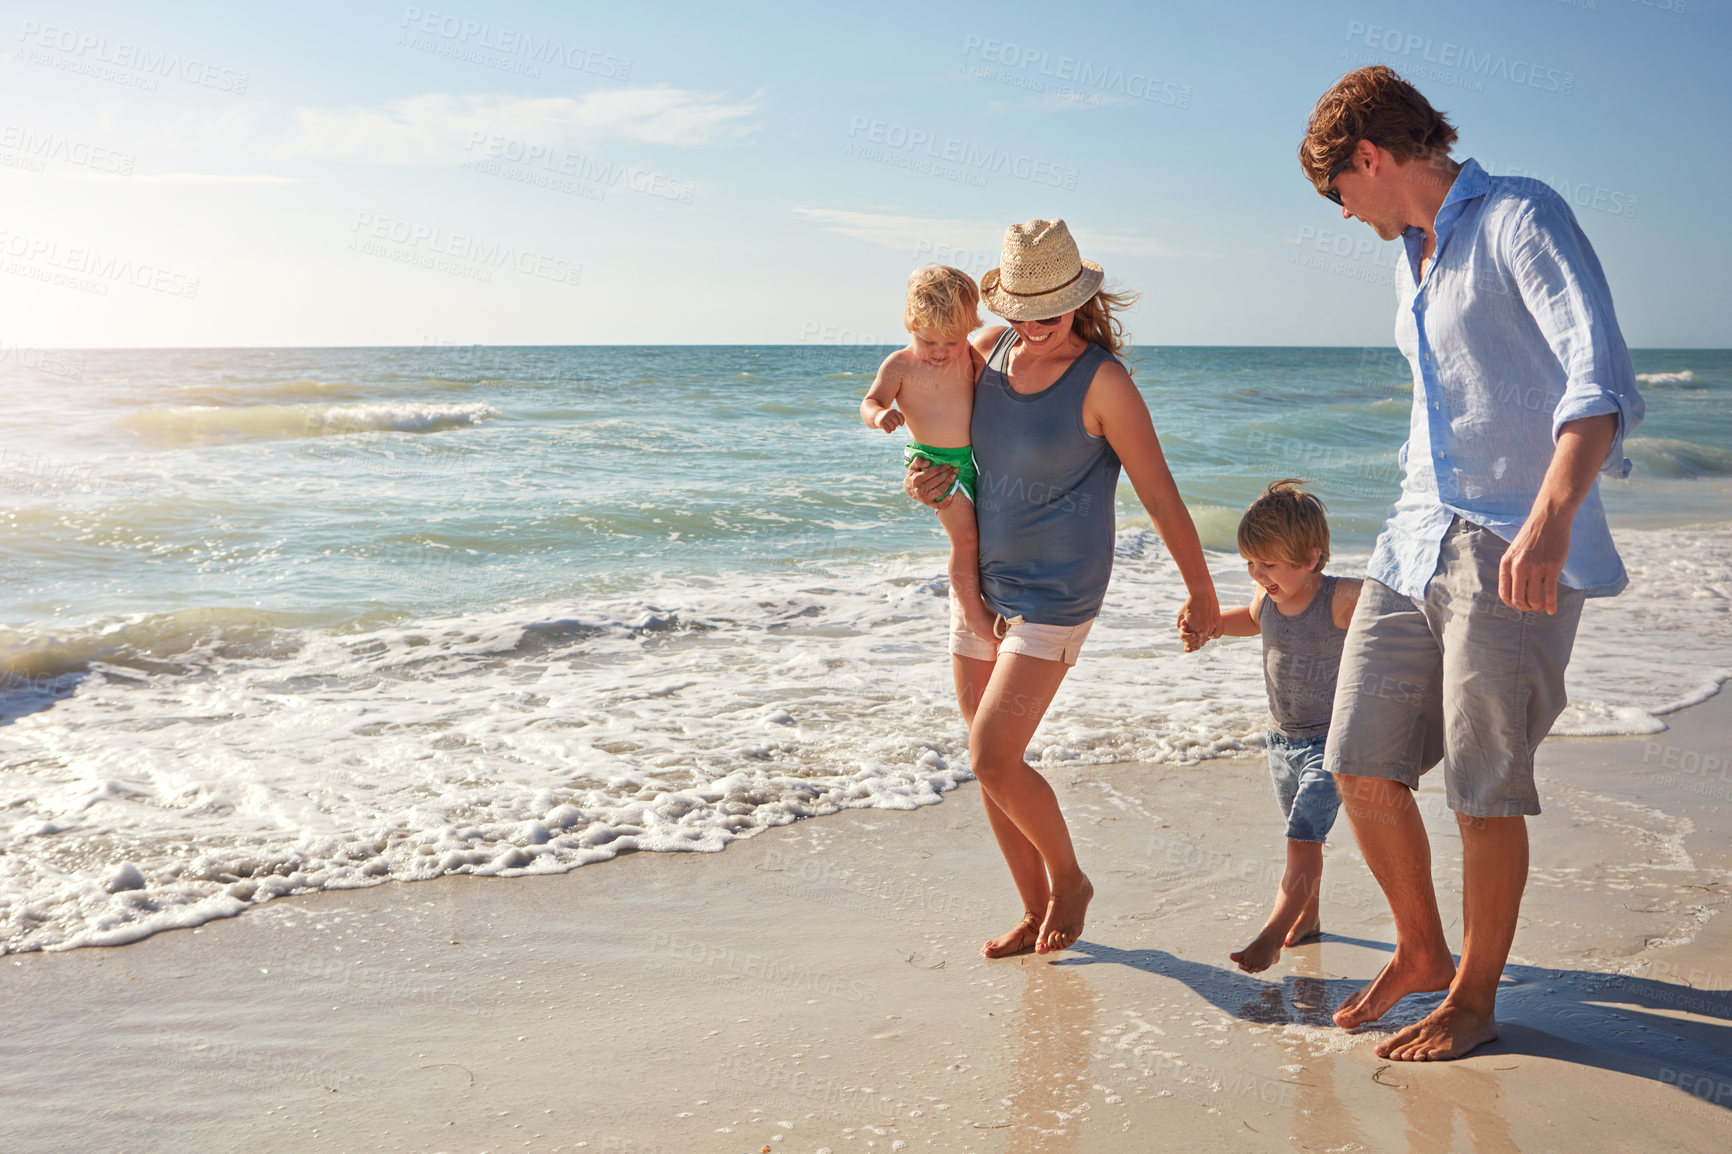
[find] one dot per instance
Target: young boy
(931, 385)
(1302, 616)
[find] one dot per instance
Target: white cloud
(929, 234)
(438, 128)
(192, 178)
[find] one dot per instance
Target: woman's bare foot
(1019, 939)
(1261, 953)
(1304, 935)
(1064, 918)
(1400, 977)
(1447, 1033)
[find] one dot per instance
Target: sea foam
(200, 424)
(261, 758)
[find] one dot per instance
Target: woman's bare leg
(1015, 699)
(1026, 868)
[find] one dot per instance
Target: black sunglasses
(1044, 321)
(1329, 185)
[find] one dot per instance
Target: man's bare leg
(1026, 868)
(1494, 873)
(1294, 919)
(1015, 700)
(1391, 836)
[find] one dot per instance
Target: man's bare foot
(1064, 919)
(1447, 1033)
(1260, 954)
(1398, 979)
(1304, 935)
(1019, 939)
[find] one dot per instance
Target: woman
(1055, 415)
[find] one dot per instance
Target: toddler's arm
(876, 409)
(1239, 622)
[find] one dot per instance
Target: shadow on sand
(1625, 1024)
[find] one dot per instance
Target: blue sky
(363, 174)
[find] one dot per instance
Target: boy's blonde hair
(941, 298)
(1285, 524)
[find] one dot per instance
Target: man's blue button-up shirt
(1510, 334)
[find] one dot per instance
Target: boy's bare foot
(1304, 935)
(1447, 1033)
(1260, 954)
(1400, 977)
(1064, 918)
(1019, 939)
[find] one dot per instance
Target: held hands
(1199, 622)
(926, 483)
(890, 420)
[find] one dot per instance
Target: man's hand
(1527, 578)
(926, 483)
(890, 420)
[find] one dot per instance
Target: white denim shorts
(1046, 642)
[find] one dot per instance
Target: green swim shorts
(961, 459)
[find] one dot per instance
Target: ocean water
(276, 620)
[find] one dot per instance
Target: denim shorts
(1302, 786)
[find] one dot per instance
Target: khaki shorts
(1457, 676)
(1046, 642)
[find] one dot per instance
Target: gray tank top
(1301, 656)
(1044, 496)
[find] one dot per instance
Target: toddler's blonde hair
(941, 298)
(1285, 524)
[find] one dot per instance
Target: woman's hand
(1199, 620)
(926, 483)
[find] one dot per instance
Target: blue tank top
(1044, 494)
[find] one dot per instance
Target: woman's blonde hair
(941, 298)
(1094, 320)
(1285, 524)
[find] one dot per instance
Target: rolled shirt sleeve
(1561, 282)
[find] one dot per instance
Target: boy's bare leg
(1494, 872)
(1294, 919)
(1392, 838)
(1015, 700)
(1026, 868)
(957, 518)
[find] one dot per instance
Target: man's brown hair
(1372, 104)
(1285, 524)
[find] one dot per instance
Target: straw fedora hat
(1040, 273)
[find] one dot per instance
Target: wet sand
(819, 988)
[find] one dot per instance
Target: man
(1523, 392)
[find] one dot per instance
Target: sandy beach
(818, 987)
